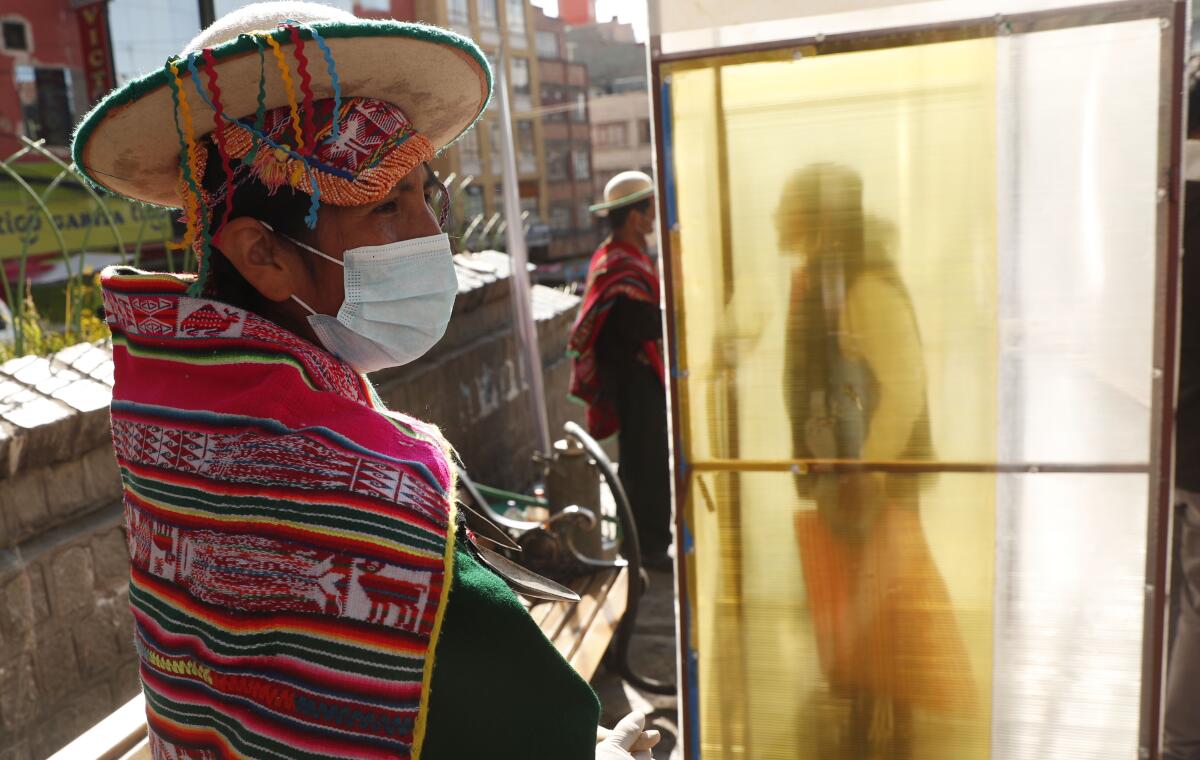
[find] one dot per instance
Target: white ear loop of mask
(309, 248)
(306, 247)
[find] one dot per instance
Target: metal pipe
(208, 13)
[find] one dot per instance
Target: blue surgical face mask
(398, 301)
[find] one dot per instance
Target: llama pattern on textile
(213, 566)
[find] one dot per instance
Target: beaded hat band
(357, 159)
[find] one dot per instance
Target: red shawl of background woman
(617, 270)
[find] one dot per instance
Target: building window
(526, 152)
(458, 12)
(378, 6)
(520, 85)
(560, 218)
(579, 112)
(520, 76)
(46, 97)
(496, 138)
(547, 45)
(552, 103)
(515, 12)
(581, 164)
(15, 35)
(469, 153)
(472, 203)
(557, 160)
(487, 14)
(643, 131)
(611, 134)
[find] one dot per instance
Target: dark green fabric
(500, 690)
(245, 43)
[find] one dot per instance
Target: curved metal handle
(633, 552)
(573, 512)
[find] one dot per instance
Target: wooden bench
(581, 631)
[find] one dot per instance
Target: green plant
(42, 338)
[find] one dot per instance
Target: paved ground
(653, 656)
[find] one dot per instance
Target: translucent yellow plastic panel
(896, 273)
(836, 302)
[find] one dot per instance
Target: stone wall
(66, 640)
(66, 643)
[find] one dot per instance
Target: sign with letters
(97, 58)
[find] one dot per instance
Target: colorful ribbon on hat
(344, 152)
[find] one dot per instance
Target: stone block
(96, 644)
(23, 601)
(66, 493)
(127, 683)
(86, 709)
(71, 582)
(84, 394)
(18, 693)
(23, 501)
(57, 666)
(47, 429)
(94, 429)
(92, 359)
(123, 617)
(10, 449)
(15, 750)
(16, 604)
(110, 559)
(101, 476)
(48, 377)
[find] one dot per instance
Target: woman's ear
(255, 251)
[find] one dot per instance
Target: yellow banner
(79, 218)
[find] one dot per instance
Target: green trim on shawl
(498, 677)
(245, 43)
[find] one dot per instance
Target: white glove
(628, 741)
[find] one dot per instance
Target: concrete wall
(66, 640)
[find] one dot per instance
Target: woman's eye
(388, 207)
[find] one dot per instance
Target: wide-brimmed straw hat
(130, 143)
(622, 190)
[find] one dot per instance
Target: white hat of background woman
(622, 190)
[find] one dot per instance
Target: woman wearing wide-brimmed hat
(616, 343)
(301, 585)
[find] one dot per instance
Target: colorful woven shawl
(617, 270)
(290, 561)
